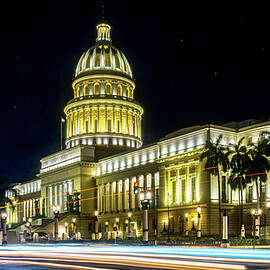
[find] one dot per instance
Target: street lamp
(56, 211)
(186, 232)
(29, 225)
(66, 227)
(225, 242)
(74, 232)
(4, 219)
(106, 230)
(256, 227)
(145, 201)
(96, 225)
(199, 232)
(129, 229)
(117, 225)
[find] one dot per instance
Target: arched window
(119, 90)
(108, 89)
(97, 89)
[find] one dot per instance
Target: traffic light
(136, 187)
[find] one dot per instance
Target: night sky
(192, 65)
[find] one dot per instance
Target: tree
(240, 162)
(216, 160)
(259, 166)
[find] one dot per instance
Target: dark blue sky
(192, 65)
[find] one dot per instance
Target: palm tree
(216, 160)
(240, 162)
(265, 145)
(259, 166)
(5, 186)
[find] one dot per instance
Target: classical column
(98, 119)
(113, 118)
(117, 196)
(120, 122)
(106, 118)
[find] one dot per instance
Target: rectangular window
(193, 188)
(174, 191)
(183, 188)
(249, 194)
(149, 181)
(141, 179)
(157, 180)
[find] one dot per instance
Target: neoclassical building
(92, 179)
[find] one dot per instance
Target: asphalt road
(94, 256)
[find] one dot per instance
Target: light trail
(111, 256)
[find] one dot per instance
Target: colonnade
(119, 195)
(102, 88)
(103, 118)
(33, 207)
(182, 185)
(57, 195)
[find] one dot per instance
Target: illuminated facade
(92, 179)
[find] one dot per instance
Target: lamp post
(30, 227)
(66, 227)
(145, 201)
(256, 228)
(96, 225)
(117, 225)
(224, 241)
(186, 232)
(74, 232)
(4, 220)
(169, 201)
(106, 230)
(129, 229)
(199, 232)
(56, 211)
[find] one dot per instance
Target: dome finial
(103, 12)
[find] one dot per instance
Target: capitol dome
(103, 112)
(103, 56)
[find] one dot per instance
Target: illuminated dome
(103, 112)
(103, 56)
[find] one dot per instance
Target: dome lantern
(103, 32)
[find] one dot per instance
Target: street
(106, 256)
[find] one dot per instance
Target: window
(193, 188)
(97, 89)
(249, 194)
(157, 180)
(108, 89)
(181, 224)
(119, 90)
(174, 191)
(141, 179)
(183, 188)
(149, 181)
